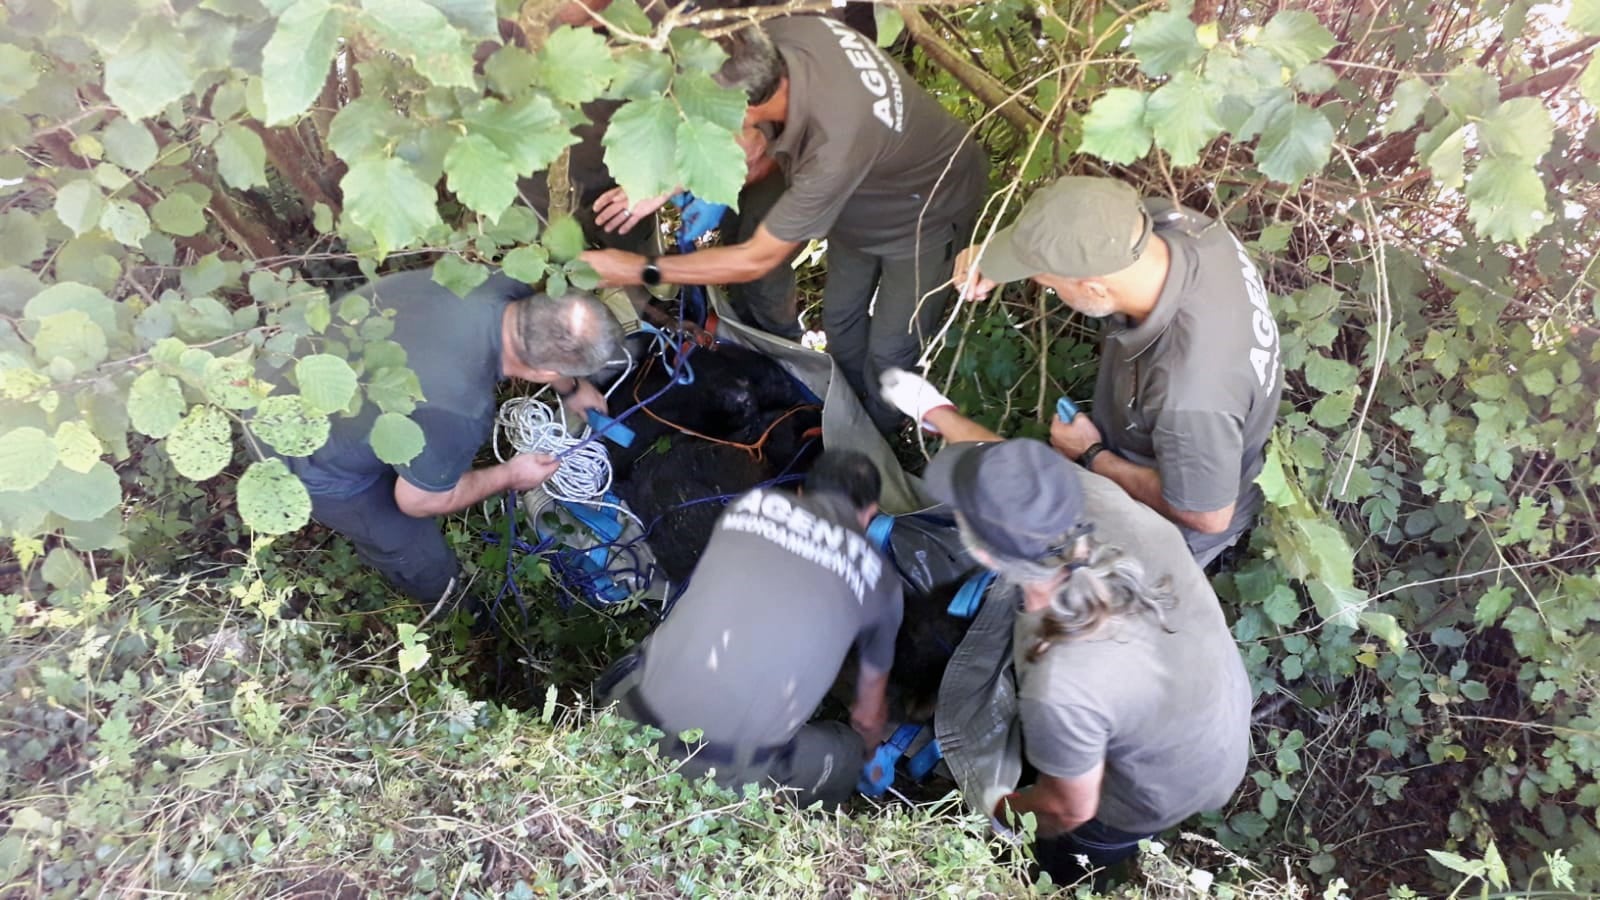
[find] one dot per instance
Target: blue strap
(603, 521)
(967, 600)
(920, 765)
(878, 531)
(878, 773)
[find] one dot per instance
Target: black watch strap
(1086, 458)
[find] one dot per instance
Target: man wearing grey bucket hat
(1190, 375)
(1132, 697)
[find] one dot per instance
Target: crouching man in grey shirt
(787, 585)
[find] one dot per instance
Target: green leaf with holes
(288, 425)
(385, 197)
(27, 455)
(295, 61)
(155, 403)
(1115, 128)
(271, 499)
(200, 445)
(481, 174)
(396, 439)
(326, 382)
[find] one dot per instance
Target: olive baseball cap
(1074, 227)
(1019, 497)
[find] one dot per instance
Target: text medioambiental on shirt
(772, 516)
(876, 74)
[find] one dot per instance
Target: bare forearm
(956, 428)
(472, 488)
(1144, 484)
(1051, 817)
(716, 265)
(1141, 482)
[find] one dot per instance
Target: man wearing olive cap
(1132, 698)
(1190, 374)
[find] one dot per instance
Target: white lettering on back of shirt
(1264, 355)
(841, 551)
(877, 75)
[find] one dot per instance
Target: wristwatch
(651, 273)
(1086, 458)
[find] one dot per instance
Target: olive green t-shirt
(872, 159)
(1167, 707)
(787, 585)
(1193, 390)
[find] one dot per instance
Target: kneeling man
(787, 585)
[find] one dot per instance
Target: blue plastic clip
(925, 759)
(878, 773)
(610, 429)
(1066, 410)
(967, 600)
(878, 531)
(605, 523)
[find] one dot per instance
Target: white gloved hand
(911, 394)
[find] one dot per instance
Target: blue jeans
(1101, 844)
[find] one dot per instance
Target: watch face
(651, 274)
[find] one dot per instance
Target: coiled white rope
(532, 426)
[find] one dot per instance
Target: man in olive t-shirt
(460, 349)
(1190, 375)
(874, 164)
(787, 585)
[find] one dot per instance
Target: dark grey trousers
(822, 765)
(411, 553)
(771, 302)
(865, 338)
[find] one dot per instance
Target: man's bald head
(574, 334)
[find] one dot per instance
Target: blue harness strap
(967, 600)
(878, 774)
(878, 531)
